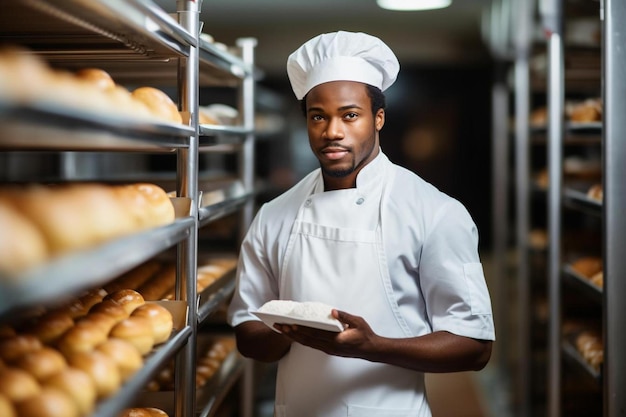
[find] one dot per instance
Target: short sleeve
(254, 283)
(452, 278)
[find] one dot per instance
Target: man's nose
(334, 129)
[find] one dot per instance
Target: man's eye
(316, 117)
(351, 116)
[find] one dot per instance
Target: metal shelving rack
(136, 41)
(562, 197)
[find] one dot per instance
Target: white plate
(269, 319)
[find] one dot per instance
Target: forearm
(434, 353)
(257, 341)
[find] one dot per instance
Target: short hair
(375, 94)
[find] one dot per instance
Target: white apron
(336, 255)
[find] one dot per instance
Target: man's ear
(379, 119)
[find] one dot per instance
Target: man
(396, 258)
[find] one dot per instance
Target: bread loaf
(160, 319)
(51, 220)
(159, 103)
(6, 407)
(587, 266)
(124, 354)
(159, 284)
(127, 298)
(147, 204)
(110, 308)
(22, 245)
(134, 278)
(83, 337)
(14, 347)
(18, 385)
(73, 216)
(51, 326)
(42, 363)
(137, 331)
(103, 371)
(49, 402)
(78, 385)
(98, 77)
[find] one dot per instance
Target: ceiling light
(407, 5)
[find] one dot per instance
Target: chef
(396, 258)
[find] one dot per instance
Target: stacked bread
(64, 361)
(26, 78)
(212, 354)
(156, 280)
(40, 222)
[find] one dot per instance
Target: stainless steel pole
(187, 186)
(552, 15)
(614, 226)
(523, 22)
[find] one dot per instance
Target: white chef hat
(341, 56)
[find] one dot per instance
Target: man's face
(343, 132)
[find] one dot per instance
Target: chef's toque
(341, 56)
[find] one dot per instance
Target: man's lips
(334, 153)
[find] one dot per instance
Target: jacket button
(307, 203)
(360, 201)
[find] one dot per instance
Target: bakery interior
(121, 212)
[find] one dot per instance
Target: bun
(102, 321)
(17, 384)
(160, 284)
(92, 297)
(135, 412)
(22, 245)
(124, 354)
(51, 326)
(98, 77)
(137, 331)
(42, 363)
(14, 347)
(83, 337)
(102, 370)
(598, 279)
(160, 318)
(110, 308)
(78, 386)
(147, 204)
(160, 104)
(587, 111)
(595, 192)
(588, 266)
(73, 216)
(23, 75)
(50, 402)
(134, 278)
(156, 412)
(6, 408)
(127, 298)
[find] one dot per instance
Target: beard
(338, 173)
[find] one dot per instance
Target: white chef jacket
(430, 241)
